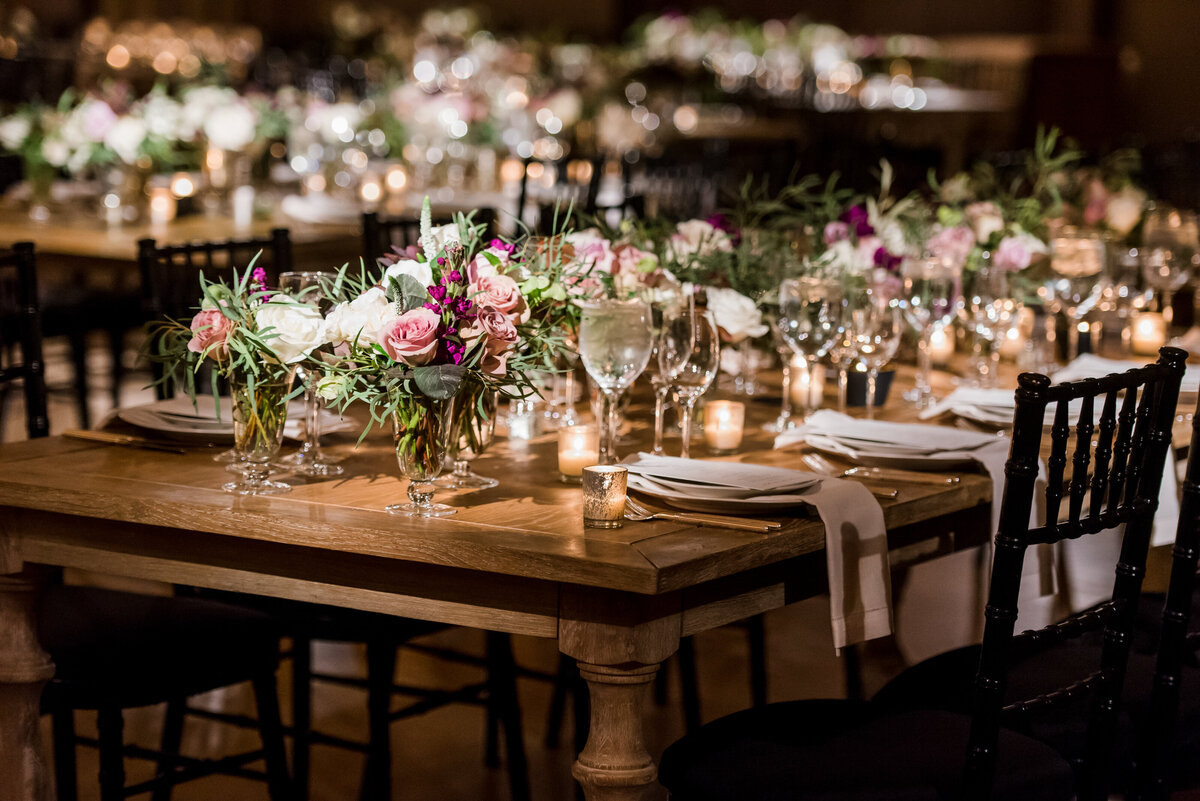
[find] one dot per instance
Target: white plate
(176, 418)
(694, 503)
(937, 462)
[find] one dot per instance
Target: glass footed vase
(422, 430)
(259, 414)
(472, 426)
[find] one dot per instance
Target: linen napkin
(1090, 365)
(856, 550)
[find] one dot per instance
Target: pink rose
(1013, 255)
(481, 266)
(98, 118)
(412, 338)
(836, 231)
(500, 337)
(499, 292)
(1097, 203)
(494, 364)
(210, 329)
(952, 245)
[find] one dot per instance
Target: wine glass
(1169, 246)
(615, 341)
(991, 313)
(662, 303)
(310, 460)
(876, 330)
(811, 317)
(1077, 261)
(784, 422)
(931, 295)
(689, 353)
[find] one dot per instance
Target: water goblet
(811, 318)
(991, 312)
(1169, 247)
(875, 333)
(689, 354)
(1078, 265)
(931, 295)
(615, 341)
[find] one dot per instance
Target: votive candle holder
(604, 488)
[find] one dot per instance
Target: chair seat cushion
(131, 650)
(838, 751)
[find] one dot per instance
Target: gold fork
(637, 512)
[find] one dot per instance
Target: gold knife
(896, 474)
(128, 441)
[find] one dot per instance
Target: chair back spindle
(21, 322)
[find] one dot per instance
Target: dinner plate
(935, 462)
(717, 505)
(177, 418)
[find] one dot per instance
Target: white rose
(698, 237)
(55, 152)
(330, 386)
(735, 314)
(162, 115)
(125, 138)
(363, 316)
(1125, 209)
(198, 104)
(231, 127)
(419, 270)
(445, 235)
(296, 328)
(13, 131)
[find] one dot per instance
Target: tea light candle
(162, 205)
(808, 386)
(370, 190)
(941, 346)
(578, 447)
(604, 487)
(723, 422)
(1149, 333)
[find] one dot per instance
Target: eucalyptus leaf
(440, 381)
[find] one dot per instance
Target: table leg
(24, 669)
(619, 641)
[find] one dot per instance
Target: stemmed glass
(1077, 261)
(1169, 245)
(662, 304)
(689, 353)
(784, 421)
(875, 331)
(615, 341)
(310, 460)
(811, 317)
(931, 294)
(991, 313)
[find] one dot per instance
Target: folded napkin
(1189, 341)
(856, 550)
(1090, 365)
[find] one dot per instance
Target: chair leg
(852, 668)
(381, 672)
(270, 730)
(558, 701)
(688, 684)
(301, 714)
(78, 344)
(110, 725)
(62, 721)
(502, 697)
(172, 738)
(756, 634)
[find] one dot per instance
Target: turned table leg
(24, 669)
(619, 641)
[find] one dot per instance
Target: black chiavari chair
(549, 187)
(816, 749)
(21, 329)
(114, 651)
(384, 234)
(170, 276)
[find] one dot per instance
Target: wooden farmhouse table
(513, 559)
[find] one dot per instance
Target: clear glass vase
(473, 425)
(260, 406)
(422, 428)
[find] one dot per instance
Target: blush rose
(412, 338)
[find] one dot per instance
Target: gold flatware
(109, 438)
(637, 512)
(895, 474)
(819, 464)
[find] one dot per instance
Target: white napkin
(1090, 365)
(856, 550)
(1189, 341)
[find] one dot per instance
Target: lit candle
(941, 346)
(604, 495)
(723, 423)
(395, 179)
(1011, 344)
(1149, 333)
(808, 386)
(370, 190)
(578, 447)
(182, 185)
(162, 205)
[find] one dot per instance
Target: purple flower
(856, 218)
(441, 260)
(886, 260)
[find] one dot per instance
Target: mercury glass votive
(723, 425)
(578, 447)
(604, 495)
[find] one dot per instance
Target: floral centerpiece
(426, 338)
(252, 340)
